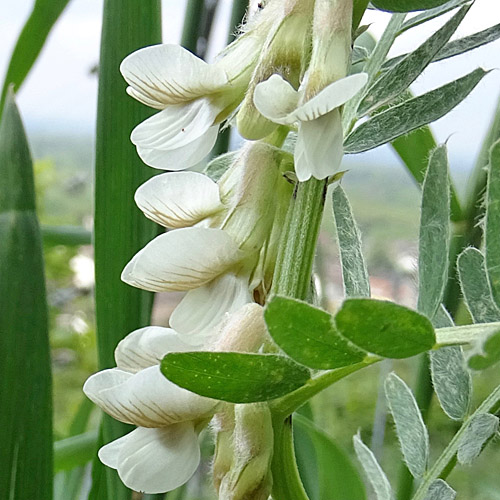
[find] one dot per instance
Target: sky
(60, 93)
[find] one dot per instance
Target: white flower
(318, 150)
(163, 452)
(194, 98)
(219, 227)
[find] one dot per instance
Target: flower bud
(223, 426)
(285, 53)
(331, 51)
(243, 331)
(249, 477)
(248, 189)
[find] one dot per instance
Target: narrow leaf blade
(385, 328)
(374, 473)
(406, 5)
(479, 430)
(476, 287)
(234, 377)
(399, 77)
(354, 272)
(410, 427)
(410, 115)
(434, 237)
(25, 370)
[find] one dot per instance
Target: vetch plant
(245, 232)
(249, 346)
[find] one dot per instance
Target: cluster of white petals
(163, 452)
(216, 235)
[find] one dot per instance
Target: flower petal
(182, 259)
(178, 199)
(175, 126)
(319, 151)
(154, 460)
(276, 99)
(169, 74)
(331, 97)
(202, 309)
(146, 398)
(146, 347)
(183, 157)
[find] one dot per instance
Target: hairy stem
(445, 460)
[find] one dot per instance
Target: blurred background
(58, 103)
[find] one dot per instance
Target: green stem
(445, 460)
(292, 276)
(372, 68)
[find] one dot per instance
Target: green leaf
(356, 281)
(430, 14)
(25, 370)
(374, 473)
(44, 15)
(462, 45)
(439, 490)
(385, 328)
(406, 5)
(120, 229)
(451, 380)
(486, 352)
(234, 377)
(492, 227)
(218, 166)
(74, 451)
(457, 47)
(476, 288)
(307, 334)
(337, 478)
(410, 115)
(399, 77)
(410, 427)
(434, 237)
(479, 430)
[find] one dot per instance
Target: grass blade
(25, 370)
(120, 228)
(44, 15)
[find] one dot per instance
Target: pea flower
(318, 150)
(193, 97)
(218, 231)
(163, 452)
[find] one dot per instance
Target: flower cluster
(287, 71)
